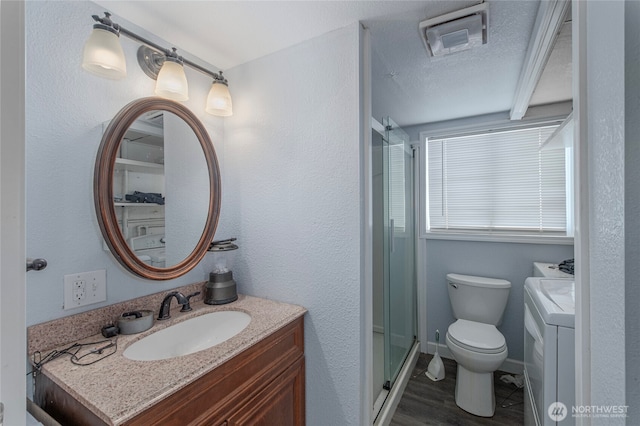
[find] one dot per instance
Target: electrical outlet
(79, 287)
(85, 288)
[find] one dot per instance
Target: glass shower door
(399, 250)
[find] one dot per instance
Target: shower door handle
(392, 228)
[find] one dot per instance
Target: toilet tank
(477, 298)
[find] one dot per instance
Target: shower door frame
(385, 403)
(401, 277)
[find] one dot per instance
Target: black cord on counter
(98, 354)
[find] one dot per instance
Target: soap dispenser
(221, 288)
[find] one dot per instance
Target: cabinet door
(281, 403)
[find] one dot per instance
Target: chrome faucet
(165, 307)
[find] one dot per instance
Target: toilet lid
(477, 337)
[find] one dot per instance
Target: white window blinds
(397, 185)
(496, 181)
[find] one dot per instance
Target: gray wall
(509, 261)
(605, 95)
(632, 208)
(291, 184)
(292, 192)
(65, 107)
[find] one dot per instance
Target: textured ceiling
(408, 85)
(229, 33)
(468, 83)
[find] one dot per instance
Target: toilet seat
(477, 337)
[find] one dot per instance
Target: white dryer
(549, 350)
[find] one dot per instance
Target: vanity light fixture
(219, 99)
(103, 53)
(104, 57)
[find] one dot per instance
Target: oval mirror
(157, 188)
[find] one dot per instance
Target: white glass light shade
(219, 100)
(172, 82)
(103, 55)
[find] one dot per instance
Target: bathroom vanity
(256, 377)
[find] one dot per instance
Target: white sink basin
(190, 336)
(554, 298)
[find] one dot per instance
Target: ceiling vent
(456, 31)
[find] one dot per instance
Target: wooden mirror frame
(103, 188)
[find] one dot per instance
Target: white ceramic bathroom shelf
(138, 166)
(129, 169)
(126, 165)
(124, 204)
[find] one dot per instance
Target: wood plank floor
(425, 402)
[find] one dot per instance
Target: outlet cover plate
(85, 288)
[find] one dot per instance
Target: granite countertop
(116, 388)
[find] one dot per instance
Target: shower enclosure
(394, 277)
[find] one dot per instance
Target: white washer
(549, 349)
(150, 249)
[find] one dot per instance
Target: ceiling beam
(551, 16)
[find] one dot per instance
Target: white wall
(292, 197)
(65, 109)
(187, 203)
(605, 96)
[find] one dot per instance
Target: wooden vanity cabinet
(263, 385)
(281, 403)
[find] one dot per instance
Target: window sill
(498, 237)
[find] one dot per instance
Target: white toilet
(476, 344)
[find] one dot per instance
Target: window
(496, 182)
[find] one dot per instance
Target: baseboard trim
(391, 403)
(512, 366)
